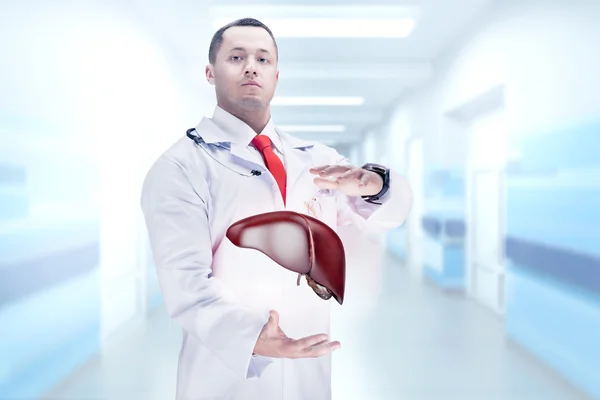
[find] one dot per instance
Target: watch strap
(382, 171)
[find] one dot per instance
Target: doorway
(415, 174)
(486, 208)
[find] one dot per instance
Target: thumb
(273, 318)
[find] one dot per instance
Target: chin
(252, 103)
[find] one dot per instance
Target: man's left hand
(350, 180)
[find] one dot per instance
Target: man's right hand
(273, 342)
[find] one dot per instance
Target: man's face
(245, 71)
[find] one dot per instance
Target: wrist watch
(382, 171)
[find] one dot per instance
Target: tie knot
(261, 142)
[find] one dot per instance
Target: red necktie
(274, 164)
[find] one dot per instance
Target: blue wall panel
(444, 183)
(447, 236)
(396, 242)
(49, 258)
(551, 212)
(14, 199)
(556, 322)
(577, 269)
(45, 337)
(562, 147)
(14, 203)
(553, 225)
(452, 273)
(34, 256)
(553, 228)
(49, 302)
(444, 227)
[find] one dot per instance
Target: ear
(277, 76)
(210, 74)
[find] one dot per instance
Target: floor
(401, 339)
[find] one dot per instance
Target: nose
(250, 68)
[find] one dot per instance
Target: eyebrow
(243, 49)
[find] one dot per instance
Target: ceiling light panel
(326, 21)
(334, 28)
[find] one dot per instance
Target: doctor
(250, 332)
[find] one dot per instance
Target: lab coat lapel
(296, 160)
(238, 154)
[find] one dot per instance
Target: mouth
(251, 83)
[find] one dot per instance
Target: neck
(256, 119)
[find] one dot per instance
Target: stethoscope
(200, 142)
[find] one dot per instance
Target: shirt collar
(237, 131)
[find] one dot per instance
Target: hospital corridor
(488, 290)
(454, 348)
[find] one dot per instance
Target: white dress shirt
(239, 131)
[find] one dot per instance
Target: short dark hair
(217, 38)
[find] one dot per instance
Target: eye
(235, 58)
(263, 60)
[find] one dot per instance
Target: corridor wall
(444, 225)
(543, 54)
(392, 148)
(553, 226)
(75, 141)
(49, 256)
(50, 320)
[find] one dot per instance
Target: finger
(351, 173)
(309, 341)
(333, 171)
(273, 318)
(321, 349)
(317, 344)
(316, 170)
(323, 183)
(364, 179)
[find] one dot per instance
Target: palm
(273, 342)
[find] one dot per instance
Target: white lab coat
(220, 294)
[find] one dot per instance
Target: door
(485, 210)
(415, 174)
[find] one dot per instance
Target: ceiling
(379, 70)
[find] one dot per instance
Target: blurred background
(491, 289)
